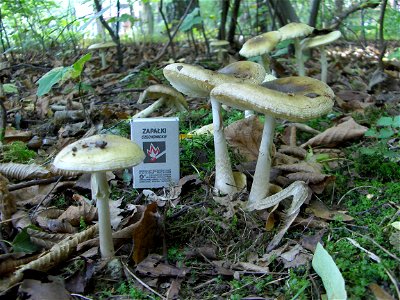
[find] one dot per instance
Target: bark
(232, 27)
(148, 12)
(114, 35)
(224, 15)
(382, 42)
(171, 43)
(312, 21)
(284, 11)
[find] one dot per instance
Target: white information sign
(159, 139)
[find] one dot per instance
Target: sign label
(159, 139)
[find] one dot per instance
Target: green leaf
(331, 277)
(10, 88)
(78, 65)
(191, 19)
(384, 121)
(22, 243)
(54, 76)
(371, 133)
(385, 133)
(396, 122)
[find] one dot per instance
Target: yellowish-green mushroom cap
(157, 91)
(320, 40)
(102, 45)
(196, 81)
(246, 70)
(295, 30)
(291, 98)
(260, 44)
(99, 153)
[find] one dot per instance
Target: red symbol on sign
(153, 152)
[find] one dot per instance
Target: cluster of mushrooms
(243, 85)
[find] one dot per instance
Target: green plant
(131, 290)
(61, 74)
(386, 127)
(17, 152)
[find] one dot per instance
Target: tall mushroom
(291, 98)
(196, 81)
(261, 45)
(97, 155)
(166, 96)
(102, 47)
(320, 41)
(296, 31)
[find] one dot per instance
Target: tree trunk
(114, 35)
(148, 12)
(224, 15)
(312, 21)
(234, 17)
(382, 42)
(285, 11)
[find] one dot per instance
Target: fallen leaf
(52, 287)
(346, 131)
(331, 277)
(379, 293)
(7, 201)
(115, 212)
(145, 235)
(295, 257)
(154, 266)
(320, 210)
(82, 211)
(245, 136)
(310, 242)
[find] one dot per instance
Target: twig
(353, 189)
(45, 197)
(81, 296)
(394, 281)
(25, 184)
(375, 243)
(141, 282)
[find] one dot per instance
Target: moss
(17, 152)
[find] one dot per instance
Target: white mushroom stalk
(295, 31)
(292, 98)
(198, 82)
(320, 41)
(97, 155)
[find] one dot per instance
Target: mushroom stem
(299, 57)
(101, 192)
(324, 64)
(224, 180)
(260, 186)
(266, 62)
(150, 109)
(102, 55)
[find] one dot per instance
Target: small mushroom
(101, 47)
(97, 155)
(320, 41)
(218, 46)
(261, 45)
(166, 96)
(296, 31)
(198, 82)
(291, 98)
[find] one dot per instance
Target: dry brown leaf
(295, 257)
(7, 200)
(83, 210)
(21, 220)
(379, 293)
(350, 100)
(320, 210)
(313, 178)
(333, 136)
(283, 159)
(305, 167)
(293, 151)
(245, 136)
(12, 135)
(146, 233)
(154, 267)
(47, 219)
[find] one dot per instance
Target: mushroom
(96, 155)
(320, 41)
(261, 45)
(291, 98)
(218, 46)
(165, 95)
(296, 31)
(101, 47)
(196, 81)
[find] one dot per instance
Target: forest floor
(208, 247)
